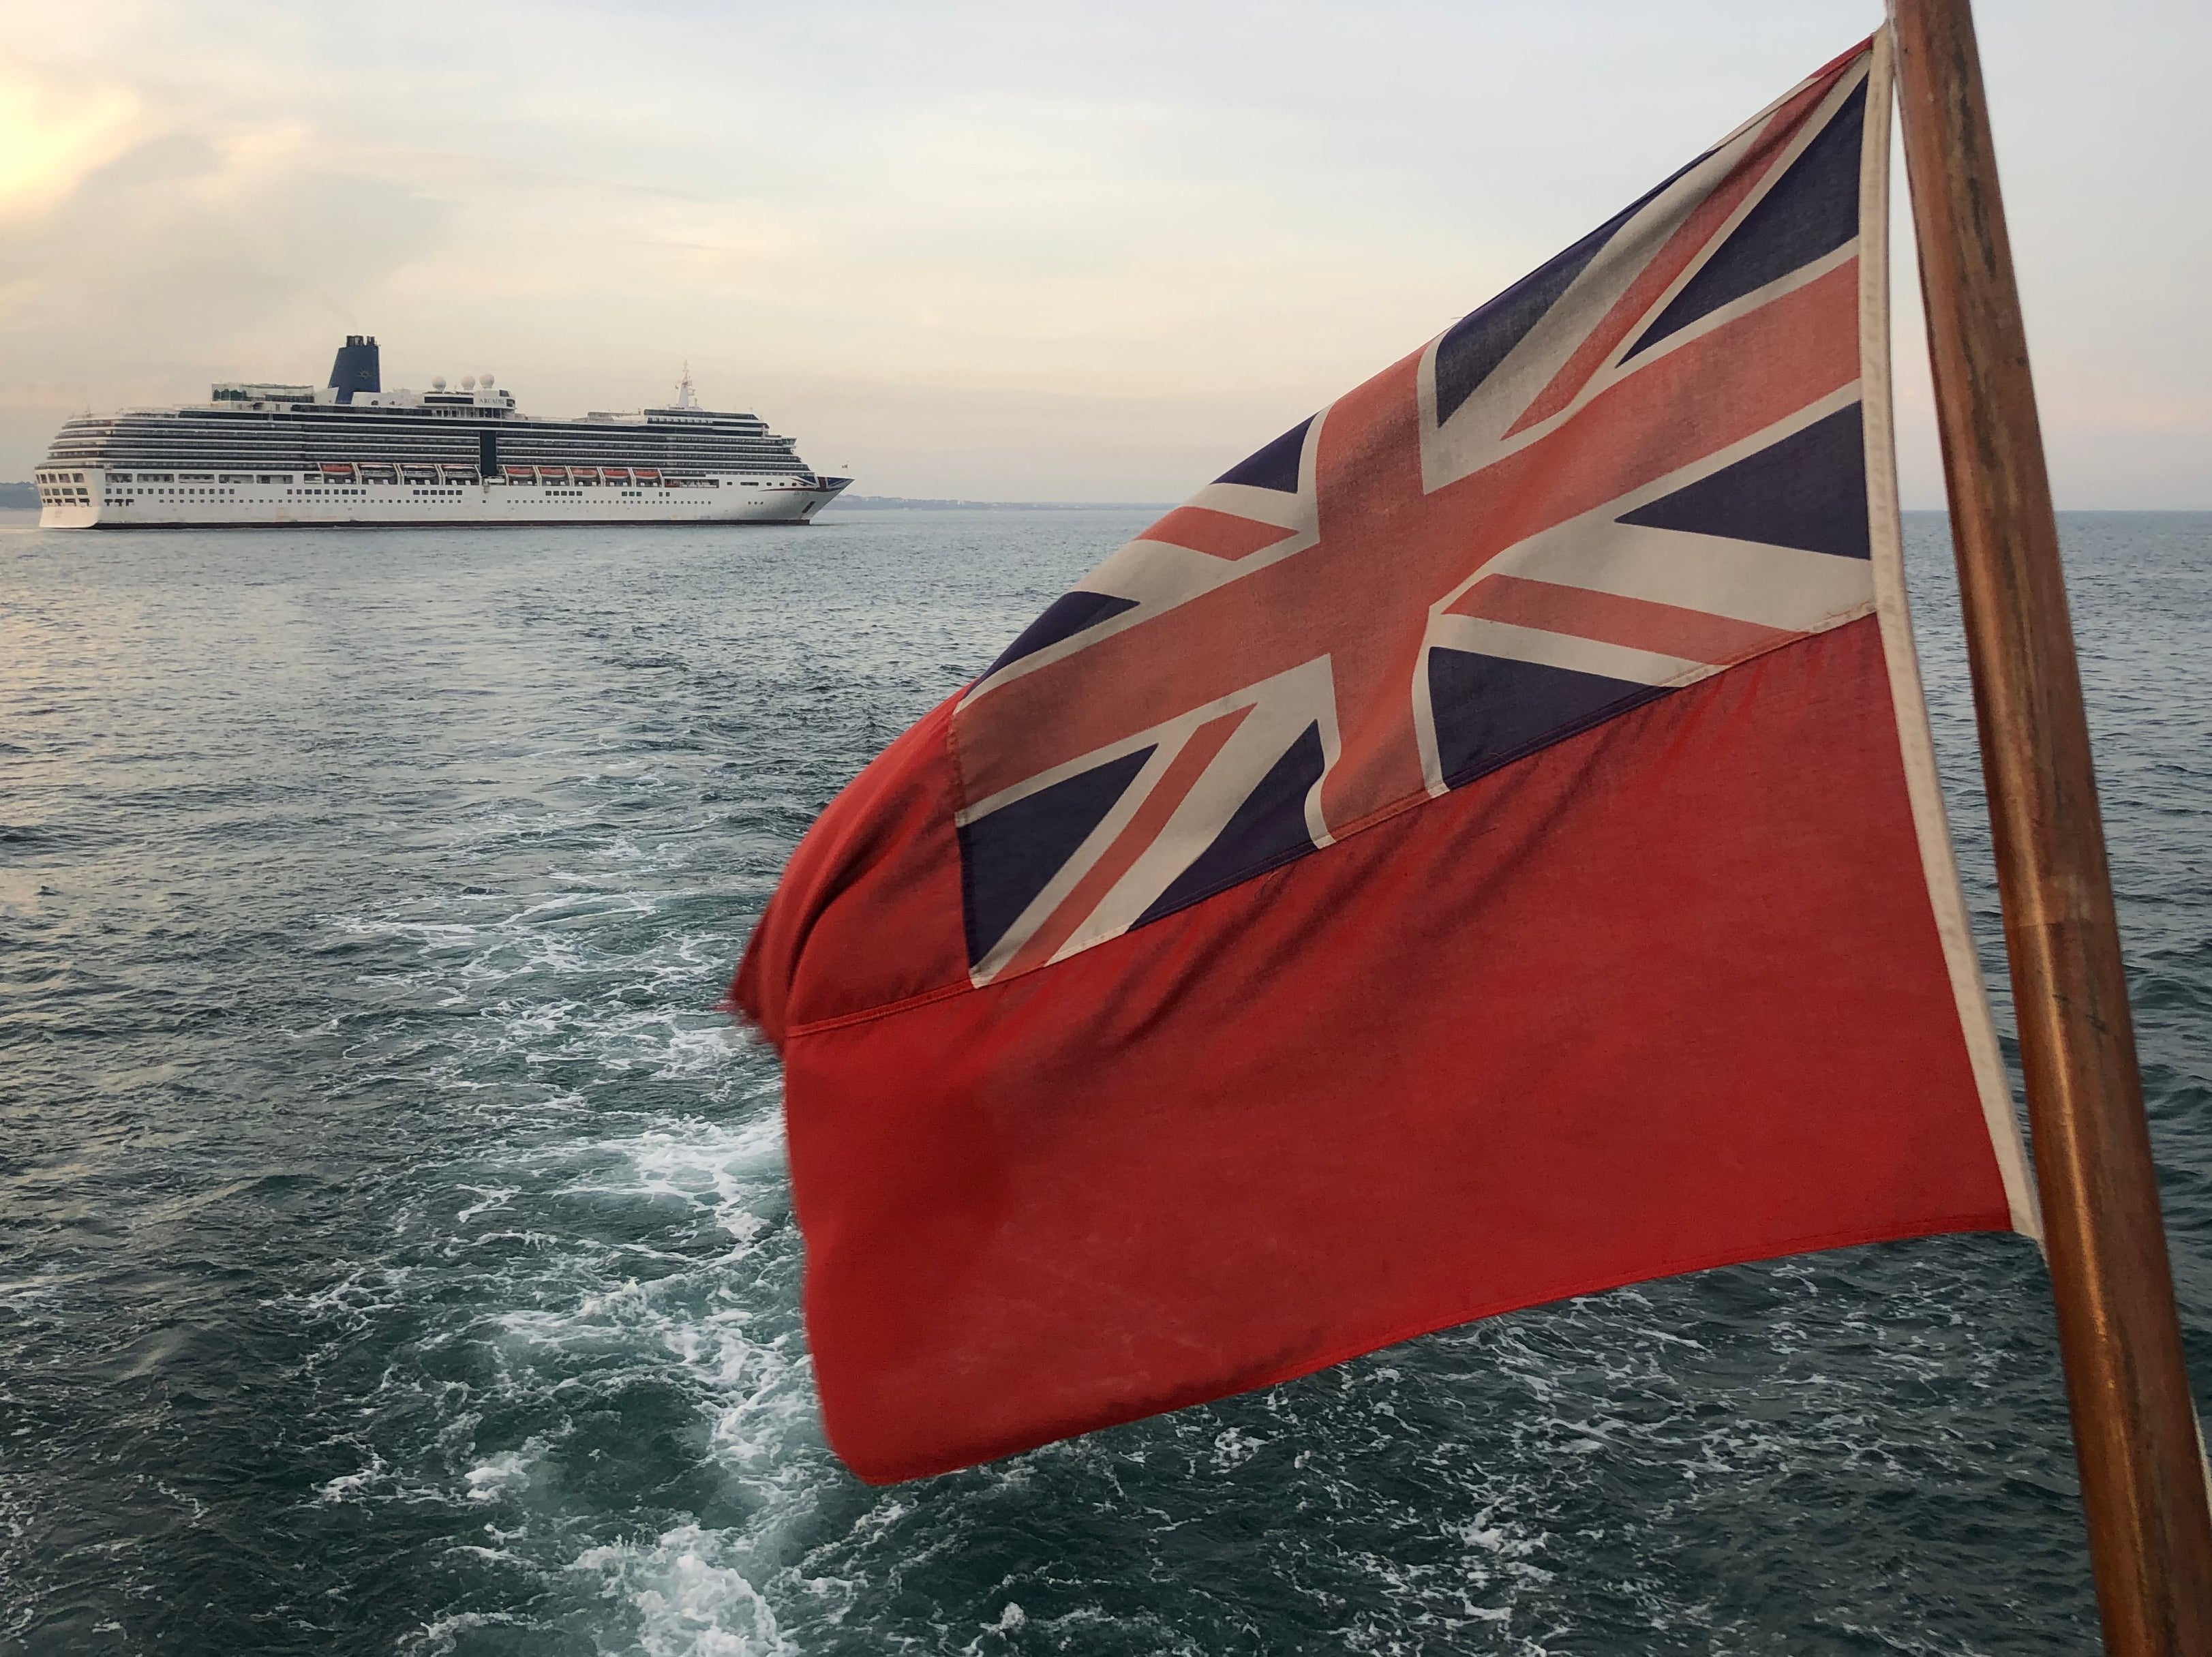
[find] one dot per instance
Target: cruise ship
(351, 452)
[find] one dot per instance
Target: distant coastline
(27, 495)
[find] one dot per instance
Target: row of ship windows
(62, 479)
(448, 494)
(130, 495)
(267, 477)
(237, 442)
(55, 492)
(407, 449)
(198, 477)
(599, 437)
(163, 494)
(153, 493)
(171, 471)
(91, 448)
(413, 469)
(59, 495)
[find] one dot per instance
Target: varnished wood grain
(2143, 1482)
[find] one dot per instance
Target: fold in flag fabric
(1483, 848)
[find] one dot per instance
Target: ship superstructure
(350, 453)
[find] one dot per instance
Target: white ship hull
(87, 500)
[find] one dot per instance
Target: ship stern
(71, 498)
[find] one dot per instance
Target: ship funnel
(356, 368)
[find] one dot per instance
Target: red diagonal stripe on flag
(1703, 224)
(1694, 635)
(1216, 534)
(1139, 833)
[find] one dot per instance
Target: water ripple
(399, 1256)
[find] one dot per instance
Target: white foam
(439, 1638)
(630, 1254)
(690, 1596)
(503, 1475)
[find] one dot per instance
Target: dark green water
(395, 1254)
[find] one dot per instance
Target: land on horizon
(24, 497)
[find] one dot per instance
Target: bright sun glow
(51, 137)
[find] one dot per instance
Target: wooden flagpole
(2134, 1427)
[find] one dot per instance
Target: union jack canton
(1638, 466)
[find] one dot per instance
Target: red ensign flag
(1483, 848)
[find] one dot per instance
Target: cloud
(51, 136)
(976, 247)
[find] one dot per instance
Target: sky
(1003, 252)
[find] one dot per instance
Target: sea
(396, 1252)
